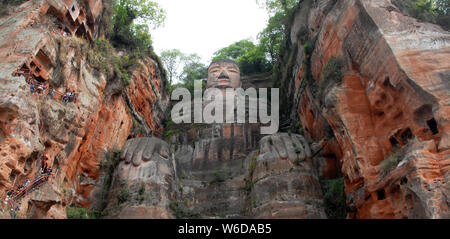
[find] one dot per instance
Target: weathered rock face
(73, 136)
(395, 88)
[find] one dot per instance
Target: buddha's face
(224, 75)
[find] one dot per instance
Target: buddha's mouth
(223, 79)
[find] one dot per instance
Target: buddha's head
(224, 74)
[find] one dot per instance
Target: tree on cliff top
(434, 11)
(276, 31)
(193, 69)
(131, 19)
(271, 38)
(128, 10)
(172, 60)
(251, 58)
(234, 51)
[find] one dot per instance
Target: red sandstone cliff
(74, 136)
(391, 106)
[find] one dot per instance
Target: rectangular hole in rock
(381, 194)
(40, 79)
(432, 124)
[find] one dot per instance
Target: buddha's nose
(224, 74)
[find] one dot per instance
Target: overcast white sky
(205, 26)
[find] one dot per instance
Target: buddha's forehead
(222, 64)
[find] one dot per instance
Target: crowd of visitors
(22, 189)
(41, 88)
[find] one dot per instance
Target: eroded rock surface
(394, 90)
(50, 40)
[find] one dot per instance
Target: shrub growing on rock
(123, 196)
(81, 213)
(434, 11)
(331, 74)
(390, 163)
(334, 198)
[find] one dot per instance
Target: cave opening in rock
(67, 31)
(53, 11)
(69, 17)
(403, 181)
(81, 32)
(407, 136)
(394, 142)
(12, 176)
(40, 79)
(381, 194)
(379, 113)
(29, 163)
(387, 82)
(432, 124)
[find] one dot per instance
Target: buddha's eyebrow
(213, 67)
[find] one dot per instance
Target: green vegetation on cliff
(334, 198)
(123, 28)
(264, 56)
(251, 58)
(331, 75)
(127, 32)
(101, 57)
(82, 213)
(193, 68)
(434, 11)
(272, 38)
